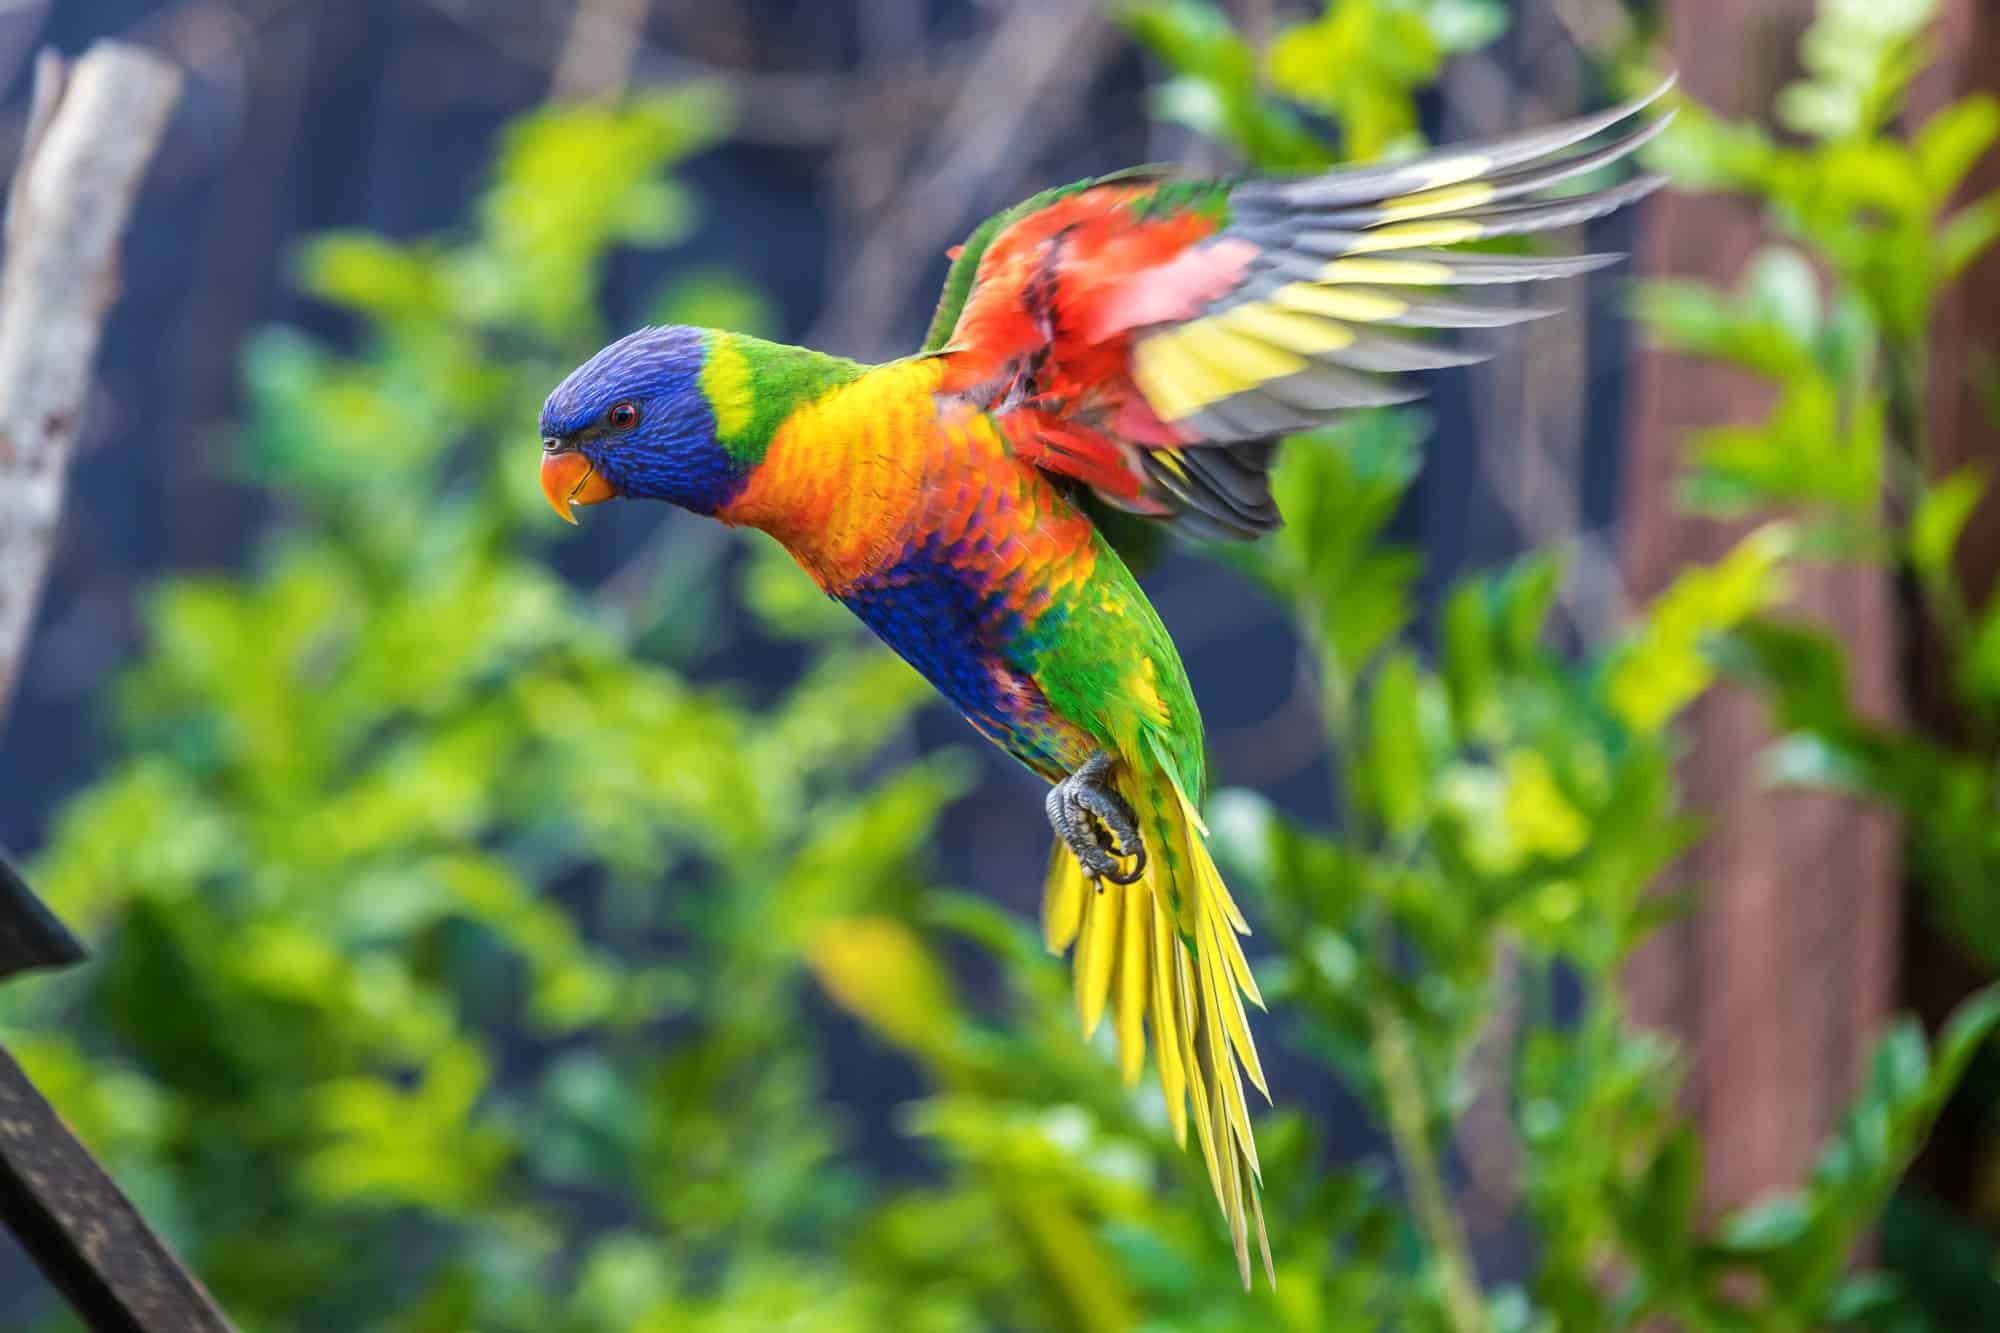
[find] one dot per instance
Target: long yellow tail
(1163, 952)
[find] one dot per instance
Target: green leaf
(1819, 760)
(1941, 515)
(1859, 58)
(1465, 25)
(1950, 142)
(883, 973)
(1696, 319)
(1702, 151)
(373, 276)
(1801, 667)
(1662, 1210)
(1527, 594)
(1815, 450)
(1980, 670)
(1469, 669)
(1871, 174)
(1372, 608)
(1821, 110)
(1663, 666)
(1215, 89)
(1970, 1027)
(1906, 1088)
(1771, 1224)
(787, 603)
(1358, 62)
(1540, 817)
(1863, 1296)
(1003, 933)
(1968, 234)
(1339, 488)
(1781, 287)
(1397, 767)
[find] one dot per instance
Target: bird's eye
(622, 416)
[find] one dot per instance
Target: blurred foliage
(459, 953)
(1839, 318)
(1839, 321)
(1359, 64)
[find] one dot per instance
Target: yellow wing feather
(1244, 368)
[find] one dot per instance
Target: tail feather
(1135, 976)
(1168, 1028)
(1164, 953)
(1096, 956)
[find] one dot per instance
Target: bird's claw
(1096, 824)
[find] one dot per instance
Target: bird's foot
(1095, 823)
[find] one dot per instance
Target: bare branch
(597, 59)
(91, 134)
(1014, 99)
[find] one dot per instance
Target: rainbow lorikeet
(1139, 341)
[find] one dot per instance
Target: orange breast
(840, 471)
(854, 483)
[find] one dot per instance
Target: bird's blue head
(637, 420)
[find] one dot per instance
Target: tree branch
(1410, 1130)
(91, 133)
(598, 55)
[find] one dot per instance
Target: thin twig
(91, 135)
(1409, 1129)
(791, 108)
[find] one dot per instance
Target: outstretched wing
(1150, 339)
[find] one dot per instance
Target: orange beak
(569, 479)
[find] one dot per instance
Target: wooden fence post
(1781, 979)
(92, 130)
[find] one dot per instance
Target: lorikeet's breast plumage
(917, 519)
(917, 513)
(1139, 342)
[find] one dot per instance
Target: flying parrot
(1140, 341)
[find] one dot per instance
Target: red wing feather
(1054, 286)
(1144, 340)
(1071, 449)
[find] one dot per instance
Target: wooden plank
(81, 1230)
(91, 132)
(30, 935)
(1781, 979)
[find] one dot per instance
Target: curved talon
(1095, 823)
(1137, 872)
